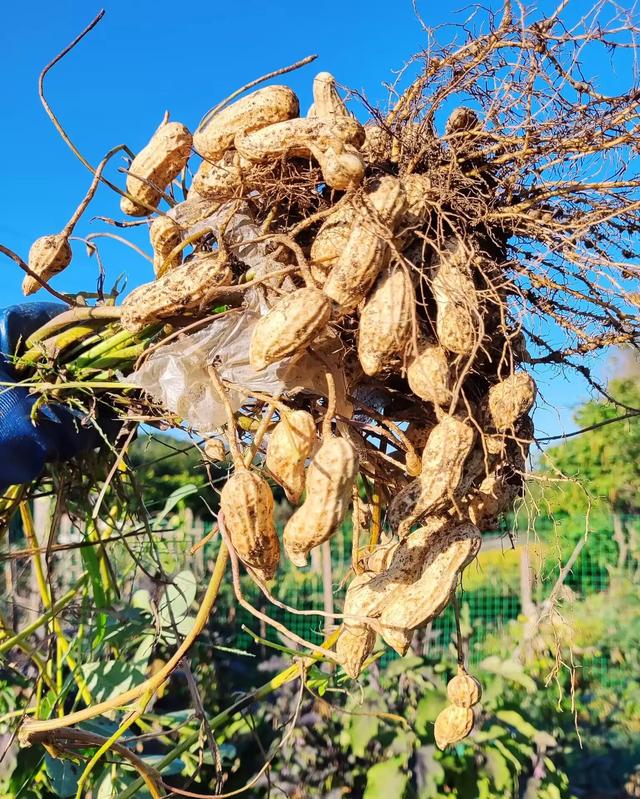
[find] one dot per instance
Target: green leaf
(361, 730)
(510, 670)
(63, 775)
(429, 772)
(387, 780)
(173, 499)
(427, 710)
(107, 678)
(515, 720)
(176, 603)
(498, 767)
(400, 665)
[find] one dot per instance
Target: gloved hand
(57, 435)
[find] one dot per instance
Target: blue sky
(148, 57)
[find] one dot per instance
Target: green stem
(18, 638)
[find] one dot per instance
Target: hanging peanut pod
(48, 256)
(164, 235)
(386, 320)
(452, 725)
(420, 203)
(181, 290)
(292, 323)
(257, 110)
(330, 478)
(419, 602)
(510, 399)
(357, 638)
(493, 497)
(329, 242)
(246, 503)
(155, 167)
(214, 450)
(290, 444)
(463, 690)
(436, 489)
(367, 251)
(430, 375)
(458, 311)
(326, 140)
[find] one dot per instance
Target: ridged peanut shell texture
(464, 690)
(386, 320)
(247, 506)
(457, 313)
(452, 725)
(366, 251)
(155, 166)
(510, 399)
(164, 235)
(328, 140)
(329, 482)
(289, 326)
(290, 444)
(48, 256)
(254, 111)
(430, 377)
(184, 288)
(424, 597)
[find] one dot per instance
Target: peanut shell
(289, 327)
(464, 690)
(48, 256)
(164, 235)
(452, 725)
(367, 250)
(247, 505)
(329, 482)
(290, 444)
(511, 399)
(155, 167)
(386, 320)
(182, 289)
(430, 376)
(257, 110)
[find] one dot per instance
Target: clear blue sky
(145, 57)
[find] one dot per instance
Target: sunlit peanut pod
(417, 603)
(48, 256)
(254, 111)
(430, 375)
(463, 690)
(458, 309)
(164, 235)
(155, 167)
(329, 482)
(386, 320)
(510, 399)
(291, 324)
(246, 503)
(452, 725)
(290, 444)
(181, 290)
(366, 252)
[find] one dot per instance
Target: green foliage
(606, 460)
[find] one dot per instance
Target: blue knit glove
(25, 447)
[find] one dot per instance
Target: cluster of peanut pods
(405, 303)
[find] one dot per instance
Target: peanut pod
(155, 167)
(509, 400)
(463, 690)
(386, 320)
(182, 289)
(289, 327)
(48, 256)
(164, 235)
(458, 314)
(418, 602)
(327, 104)
(452, 725)
(430, 376)
(290, 444)
(367, 249)
(246, 503)
(330, 478)
(325, 140)
(254, 111)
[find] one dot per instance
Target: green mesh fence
(493, 594)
